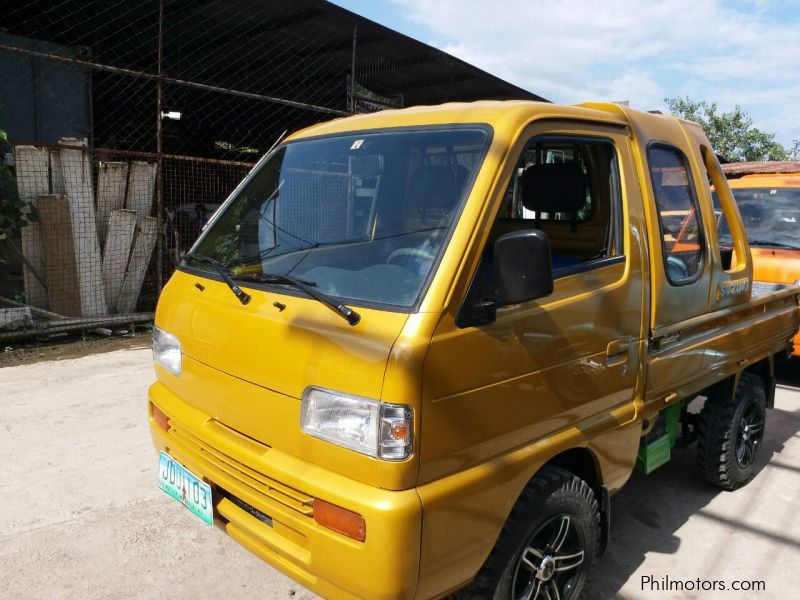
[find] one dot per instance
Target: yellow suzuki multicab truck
(416, 352)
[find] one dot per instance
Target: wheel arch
(501, 485)
(580, 461)
(765, 369)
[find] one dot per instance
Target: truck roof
(505, 117)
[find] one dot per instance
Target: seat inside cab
(570, 191)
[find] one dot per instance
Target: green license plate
(183, 485)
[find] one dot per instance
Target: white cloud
(637, 50)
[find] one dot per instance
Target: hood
(286, 350)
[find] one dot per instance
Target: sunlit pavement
(672, 524)
(80, 515)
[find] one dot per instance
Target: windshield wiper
(223, 272)
(351, 316)
(772, 244)
(347, 313)
(279, 279)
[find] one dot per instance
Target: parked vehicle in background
(183, 225)
(416, 352)
(770, 209)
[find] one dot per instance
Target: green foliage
(15, 212)
(731, 134)
(228, 247)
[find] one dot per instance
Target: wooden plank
(112, 177)
(61, 267)
(77, 169)
(32, 181)
(121, 228)
(141, 187)
(137, 267)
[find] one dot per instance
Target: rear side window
(676, 201)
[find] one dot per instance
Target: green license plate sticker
(183, 485)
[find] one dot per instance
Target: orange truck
(770, 209)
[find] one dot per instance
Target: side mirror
(522, 266)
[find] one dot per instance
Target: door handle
(617, 352)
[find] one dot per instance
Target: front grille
(246, 507)
(259, 483)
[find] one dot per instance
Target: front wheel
(547, 546)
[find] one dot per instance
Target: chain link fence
(87, 248)
(128, 123)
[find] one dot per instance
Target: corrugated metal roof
(775, 167)
(303, 53)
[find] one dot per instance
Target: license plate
(183, 485)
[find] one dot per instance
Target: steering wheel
(677, 269)
(417, 254)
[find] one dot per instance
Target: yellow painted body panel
(492, 404)
(548, 380)
(764, 180)
(281, 486)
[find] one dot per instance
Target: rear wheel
(547, 546)
(730, 431)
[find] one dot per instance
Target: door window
(676, 202)
(569, 188)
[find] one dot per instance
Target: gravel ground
(80, 514)
(81, 517)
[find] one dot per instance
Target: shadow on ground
(788, 372)
(651, 509)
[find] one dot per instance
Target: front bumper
(282, 487)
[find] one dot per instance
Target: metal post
(353, 72)
(159, 152)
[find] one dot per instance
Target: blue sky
(744, 52)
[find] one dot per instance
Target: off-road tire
(552, 493)
(718, 432)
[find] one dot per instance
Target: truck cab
(418, 351)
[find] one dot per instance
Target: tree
(731, 134)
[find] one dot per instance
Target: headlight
(367, 426)
(167, 351)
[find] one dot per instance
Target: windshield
(771, 216)
(360, 217)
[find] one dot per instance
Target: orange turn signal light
(340, 520)
(399, 431)
(160, 417)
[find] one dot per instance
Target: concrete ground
(81, 517)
